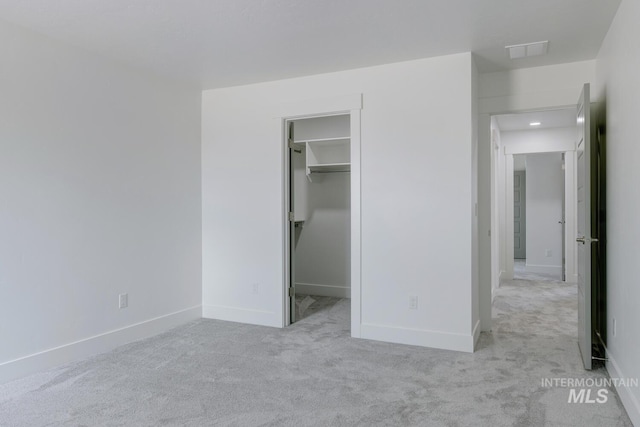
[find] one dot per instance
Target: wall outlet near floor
(123, 300)
(548, 253)
(413, 302)
(255, 288)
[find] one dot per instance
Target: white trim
(242, 315)
(323, 290)
(356, 224)
(629, 401)
(544, 269)
(96, 344)
(285, 309)
(509, 215)
(476, 334)
(419, 337)
(532, 147)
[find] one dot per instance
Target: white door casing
(584, 239)
(346, 104)
(519, 215)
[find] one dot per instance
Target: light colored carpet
(214, 373)
(520, 272)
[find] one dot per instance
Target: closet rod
(329, 171)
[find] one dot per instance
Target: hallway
(536, 304)
(535, 320)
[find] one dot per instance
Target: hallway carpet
(214, 373)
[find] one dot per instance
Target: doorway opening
(584, 247)
(539, 215)
(319, 198)
(533, 180)
(322, 210)
(534, 217)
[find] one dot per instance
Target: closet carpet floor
(215, 373)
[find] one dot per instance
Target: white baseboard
(67, 353)
(243, 315)
(629, 400)
(419, 337)
(476, 334)
(323, 290)
(544, 269)
(504, 276)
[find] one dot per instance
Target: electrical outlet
(255, 289)
(615, 324)
(123, 300)
(413, 302)
(548, 253)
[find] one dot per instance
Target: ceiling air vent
(528, 49)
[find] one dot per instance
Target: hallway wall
(618, 67)
(544, 196)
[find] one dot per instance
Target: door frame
(569, 204)
(523, 212)
(306, 109)
(490, 264)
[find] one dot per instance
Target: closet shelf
(337, 139)
(329, 167)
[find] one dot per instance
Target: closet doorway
(319, 199)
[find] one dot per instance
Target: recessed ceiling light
(527, 49)
(535, 124)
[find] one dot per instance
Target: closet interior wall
(322, 206)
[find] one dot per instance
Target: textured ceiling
(217, 43)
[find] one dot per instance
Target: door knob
(583, 240)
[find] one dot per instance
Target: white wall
(323, 248)
(99, 195)
(416, 234)
(527, 89)
(544, 196)
(478, 268)
(498, 193)
(618, 67)
(540, 140)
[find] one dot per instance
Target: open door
(292, 225)
(584, 237)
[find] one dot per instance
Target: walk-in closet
(319, 192)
